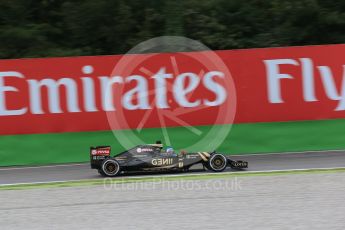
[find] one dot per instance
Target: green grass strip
(156, 179)
(58, 148)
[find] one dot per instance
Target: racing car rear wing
(98, 154)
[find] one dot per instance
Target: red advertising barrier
(255, 85)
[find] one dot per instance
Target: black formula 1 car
(152, 157)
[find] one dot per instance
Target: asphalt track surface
(276, 202)
(259, 162)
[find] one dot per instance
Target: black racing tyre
(110, 167)
(217, 162)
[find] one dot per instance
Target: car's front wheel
(110, 167)
(217, 162)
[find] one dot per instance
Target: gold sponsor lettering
(160, 162)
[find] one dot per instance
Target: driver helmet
(170, 149)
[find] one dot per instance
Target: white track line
(172, 175)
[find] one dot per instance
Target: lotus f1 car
(152, 157)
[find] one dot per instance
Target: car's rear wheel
(110, 167)
(217, 163)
